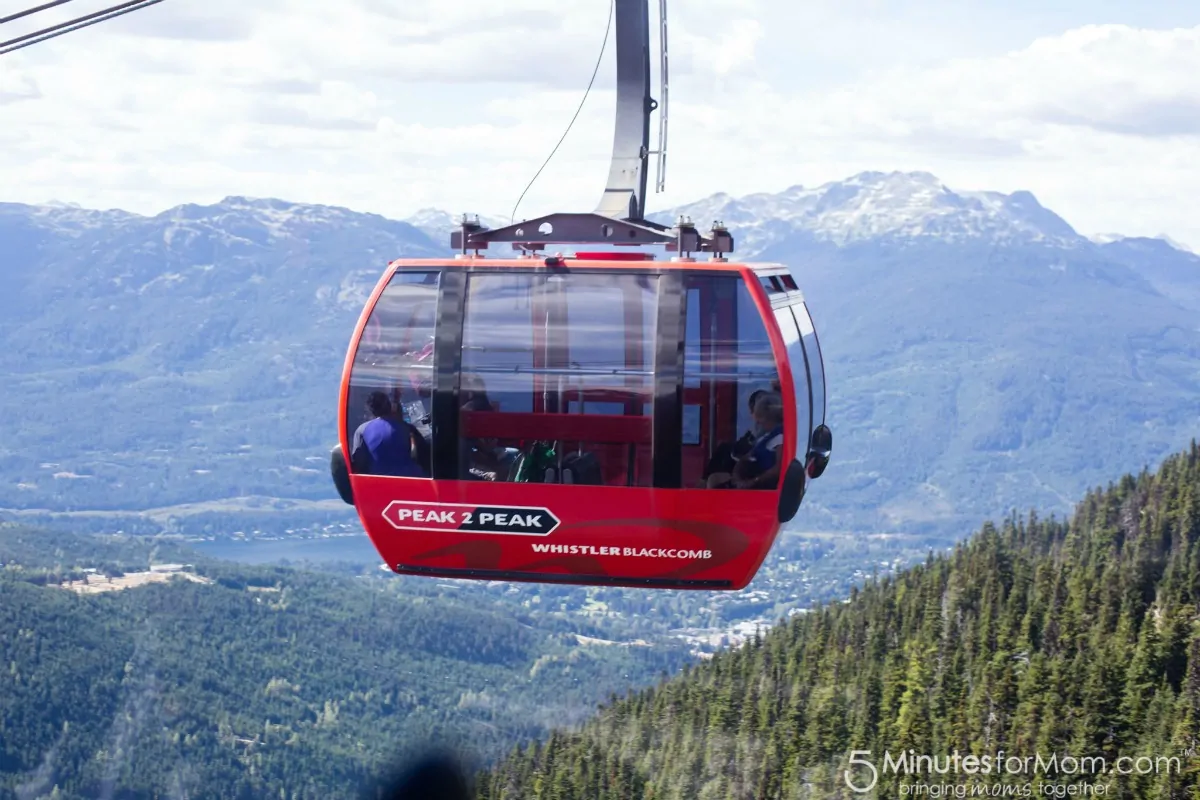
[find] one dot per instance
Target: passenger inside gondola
(484, 459)
(386, 444)
(725, 456)
(760, 467)
(474, 394)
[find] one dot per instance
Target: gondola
(643, 414)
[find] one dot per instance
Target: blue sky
(394, 105)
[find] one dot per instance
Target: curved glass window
(800, 376)
(395, 358)
(611, 323)
(557, 378)
(727, 360)
(505, 316)
(755, 363)
(816, 365)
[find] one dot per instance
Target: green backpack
(538, 463)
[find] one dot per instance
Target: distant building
(168, 567)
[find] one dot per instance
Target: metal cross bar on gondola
(536, 234)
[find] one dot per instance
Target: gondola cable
(33, 10)
(74, 25)
(595, 72)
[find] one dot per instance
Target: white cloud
(17, 85)
(392, 106)
(1102, 122)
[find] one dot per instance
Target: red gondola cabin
(569, 415)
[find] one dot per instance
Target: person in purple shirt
(384, 445)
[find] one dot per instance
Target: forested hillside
(233, 681)
(1036, 637)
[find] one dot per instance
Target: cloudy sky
(395, 105)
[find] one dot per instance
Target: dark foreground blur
(437, 776)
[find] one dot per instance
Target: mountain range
(980, 353)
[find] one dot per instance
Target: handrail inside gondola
(562, 427)
(757, 373)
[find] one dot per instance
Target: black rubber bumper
(341, 474)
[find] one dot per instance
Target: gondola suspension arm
(620, 216)
(624, 196)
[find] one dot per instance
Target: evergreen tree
(1039, 636)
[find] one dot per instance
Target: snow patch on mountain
(235, 220)
(891, 206)
(438, 224)
(66, 218)
(1178, 245)
(262, 220)
(878, 205)
(1109, 238)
